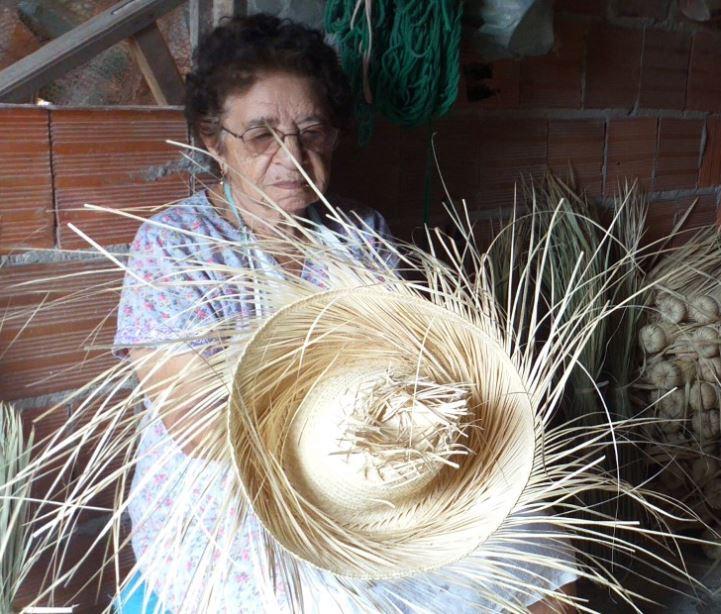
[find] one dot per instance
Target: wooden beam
(158, 66)
(49, 19)
(206, 14)
(200, 17)
(223, 8)
(123, 19)
(46, 19)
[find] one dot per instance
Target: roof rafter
(19, 81)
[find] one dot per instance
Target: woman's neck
(264, 221)
(273, 226)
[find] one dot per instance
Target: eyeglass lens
(319, 138)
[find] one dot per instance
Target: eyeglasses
(320, 138)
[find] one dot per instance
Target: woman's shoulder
(176, 224)
(350, 210)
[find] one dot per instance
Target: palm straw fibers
(377, 426)
(378, 435)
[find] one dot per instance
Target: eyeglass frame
(282, 136)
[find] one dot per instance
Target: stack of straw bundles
(681, 371)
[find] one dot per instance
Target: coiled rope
(402, 57)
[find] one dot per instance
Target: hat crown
(378, 435)
(368, 439)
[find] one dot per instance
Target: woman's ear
(215, 148)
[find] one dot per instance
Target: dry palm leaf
(16, 550)
(595, 267)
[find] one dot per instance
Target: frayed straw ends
(378, 435)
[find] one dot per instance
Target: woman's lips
(290, 185)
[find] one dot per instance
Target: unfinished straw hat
(382, 436)
(380, 428)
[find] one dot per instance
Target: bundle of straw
(604, 262)
(16, 551)
(680, 371)
(451, 333)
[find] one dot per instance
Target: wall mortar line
(637, 103)
(51, 154)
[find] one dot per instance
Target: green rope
(413, 68)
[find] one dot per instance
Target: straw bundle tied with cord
(390, 436)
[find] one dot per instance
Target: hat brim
(446, 519)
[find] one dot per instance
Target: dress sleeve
(162, 299)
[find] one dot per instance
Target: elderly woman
(253, 77)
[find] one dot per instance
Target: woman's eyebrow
(312, 118)
(261, 121)
(272, 121)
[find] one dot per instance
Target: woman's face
(290, 105)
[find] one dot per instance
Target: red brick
(370, 174)
(612, 67)
(90, 589)
(591, 8)
(554, 79)
(704, 79)
(116, 425)
(26, 206)
(84, 598)
(486, 230)
(115, 169)
(642, 9)
(482, 161)
(54, 331)
(45, 423)
(679, 151)
(631, 152)
(491, 86)
(577, 145)
(95, 596)
(664, 213)
(665, 69)
(457, 147)
(710, 173)
(508, 152)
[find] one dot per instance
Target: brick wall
(631, 90)
(54, 334)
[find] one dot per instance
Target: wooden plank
(47, 19)
(206, 14)
(158, 66)
(201, 20)
(223, 8)
(61, 55)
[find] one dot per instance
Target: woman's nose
(292, 150)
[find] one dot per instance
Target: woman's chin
(294, 202)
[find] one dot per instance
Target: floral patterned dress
(178, 506)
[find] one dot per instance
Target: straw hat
(376, 434)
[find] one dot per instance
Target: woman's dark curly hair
(228, 60)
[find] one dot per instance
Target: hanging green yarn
(412, 51)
